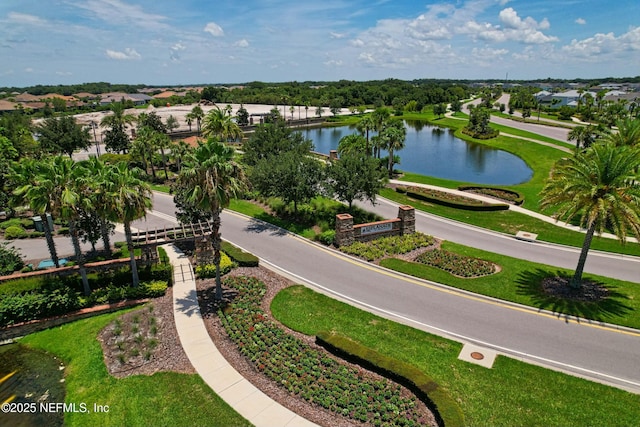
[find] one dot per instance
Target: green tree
(116, 138)
(355, 176)
(273, 139)
(601, 187)
(242, 116)
(128, 198)
(220, 125)
(172, 123)
(584, 136)
(294, 178)
(62, 135)
(364, 126)
(99, 176)
(209, 179)
(152, 121)
(179, 151)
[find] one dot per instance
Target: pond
(435, 151)
(30, 377)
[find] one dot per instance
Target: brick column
(344, 230)
(407, 215)
(333, 154)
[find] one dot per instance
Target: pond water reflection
(30, 377)
(435, 151)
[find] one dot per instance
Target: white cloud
(64, 73)
(23, 18)
(28, 70)
(214, 29)
(604, 44)
(242, 43)
(118, 12)
(174, 51)
(581, 21)
(335, 35)
(126, 55)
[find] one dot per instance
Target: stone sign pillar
(407, 215)
(344, 230)
(333, 154)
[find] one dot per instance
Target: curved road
(592, 351)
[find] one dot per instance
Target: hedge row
(467, 206)
(242, 258)
(509, 195)
(446, 410)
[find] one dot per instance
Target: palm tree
(209, 179)
(600, 186)
(353, 144)
(118, 118)
(582, 135)
(36, 192)
(393, 135)
(179, 151)
(628, 134)
(197, 114)
(365, 125)
(217, 123)
(127, 198)
(98, 173)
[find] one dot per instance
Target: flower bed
(387, 246)
(458, 265)
(508, 196)
(450, 199)
(309, 373)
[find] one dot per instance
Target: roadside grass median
(520, 281)
(512, 393)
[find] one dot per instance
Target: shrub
(14, 232)
(209, 270)
(35, 305)
(386, 246)
(10, 259)
(452, 200)
(327, 237)
(499, 193)
(63, 231)
(244, 259)
(26, 223)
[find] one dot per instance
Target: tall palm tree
(118, 118)
(197, 114)
(179, 151)
(97, 171)
(353, 144)
(127, 198)
(364, 126)
(36, 192)
(209, 179)
(393, 135)
(600, 186)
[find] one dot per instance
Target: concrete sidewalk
(232, 387)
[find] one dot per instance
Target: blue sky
(170, 42)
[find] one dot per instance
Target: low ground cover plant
(387, 246)
(309, 373)
(449, 199)
(458, 265)
(509, 196)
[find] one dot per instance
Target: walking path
(232, 387)
(514, 208)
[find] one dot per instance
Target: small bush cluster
(10, 259)
(458, 265)
(309, 373)
(134, 336)
(14, 232)
(209, 270)
(327, 237)
(17, 222)
(387, 246)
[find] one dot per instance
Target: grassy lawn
(513, 393)
(162, 399)
(511, 222)
(519, 281)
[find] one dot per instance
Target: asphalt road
(541, 338)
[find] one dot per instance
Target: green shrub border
(519, 197)
(465, 206)
(446, 410)
(242, 258)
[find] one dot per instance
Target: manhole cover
(477, 356)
